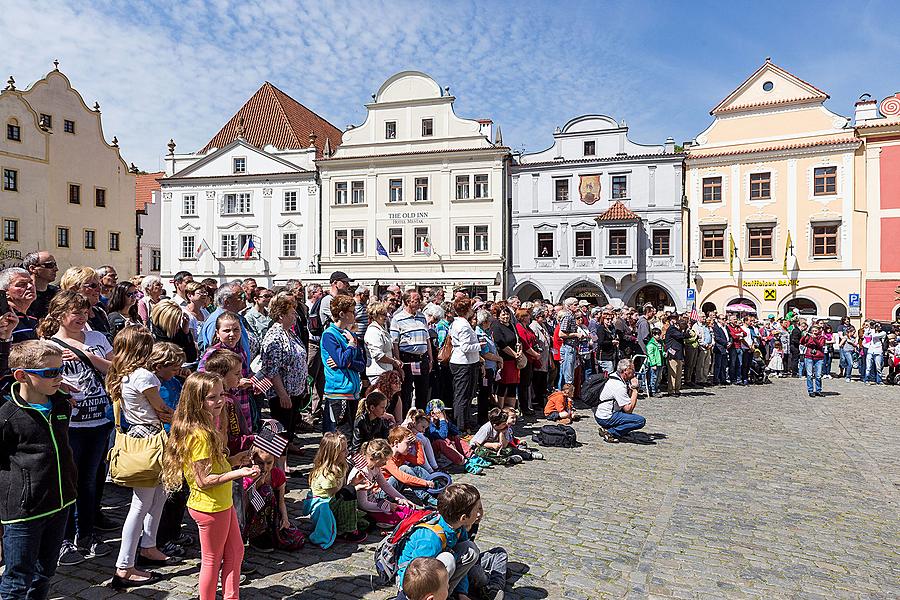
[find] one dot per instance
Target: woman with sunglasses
(17, 286)
(122, 307)
(85, 281)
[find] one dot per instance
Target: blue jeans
(826, 367)
(873, 367)
(89, 447)
(736, 365)
(621, 423)
(813, 375)
(847, 363)
(567, 359)
(653, 380)
(587, 368)
(31, 550)
(420, 493)
(863, 363)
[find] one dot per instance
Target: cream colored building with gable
(65, 189)
(426, 184)
(774, 172)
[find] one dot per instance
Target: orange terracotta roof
(740, 107)
(617, 212)
(830, 142)
(272, 117)
(144, 188)
(876, 123)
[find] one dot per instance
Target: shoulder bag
(135, 461)
(446, 349)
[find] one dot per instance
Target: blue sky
(181, 69)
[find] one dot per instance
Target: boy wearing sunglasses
(35, 458)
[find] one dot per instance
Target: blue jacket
(443, 431)
(425, 542)
(349, 359)
(207, 332)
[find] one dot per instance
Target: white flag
(201, 248)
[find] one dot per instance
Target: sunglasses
(45, 373)
(47, 265)
(135, 295)
(90, 285)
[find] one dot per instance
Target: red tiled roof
(739, 107)
(617, 212)
(272, 117)
(876, 123)
(595, 159)
(144, 188)
(831, 142)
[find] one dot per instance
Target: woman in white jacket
(464, 363)
(379, 347)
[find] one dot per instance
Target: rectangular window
(481, 187)
(236, 204)
(712, 189)
(290, 202)
(155, 259)
(10, 230)
(340, 241)
(114, 241)
(289, 245)
(421, 189)
(188, 205)
(390, 130)
(561, 190)
(230, 245)
(99, 197)
(545, 245)
(427, 127)
(462, 187)
(395, 240)
(825, 181)
(825, 240)
(395, 187)
(188, 247)
(10, 180)
(62, 237)
(760, 186)
(480, 238)
(90, 239)
(46, 121)
(357, 241)
(358, 190)
(240, 165)
(590, 148)
(619, 187)
(69, 126)
(463, 239)
(584, 242)
(661, 242)
(13, 133)
(760, 242)
(74, 193)
(340, 192)
(618, 242)
(713, 244)
(420, 242)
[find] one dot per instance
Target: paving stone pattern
(754, 492)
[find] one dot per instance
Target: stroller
(757, 374)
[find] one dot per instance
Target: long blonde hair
(191, 419)
(327, 462)
(132, 348)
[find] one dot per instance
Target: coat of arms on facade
(589, 188)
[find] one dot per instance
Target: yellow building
(777, 218)
(64, 189)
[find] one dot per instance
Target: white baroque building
(426, 185)
(254, 181)
(598, 217)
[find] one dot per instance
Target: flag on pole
(202, 247)
(270, 442)
(256, 499)
(426, 246)
(379, 248)
(694, 315)
(248, 248)
(787, 245)
(261, 384)
(730, 255)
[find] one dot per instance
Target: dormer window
(46, 121)
(13, 131)
(240, 165)
(590, 148)
(427, 127)
(390, 130)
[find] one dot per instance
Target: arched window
(837, 310)
(802, 306)
(13, 131)
(707, 307)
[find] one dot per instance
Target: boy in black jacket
(36, 470)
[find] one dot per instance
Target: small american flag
(361, 464)
(694, 315)
(273, 425)
(256, 499)
(261, 384)
(268, 441)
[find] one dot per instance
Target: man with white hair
(569, 335)
(618, 399)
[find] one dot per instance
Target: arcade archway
(653, 294)
(528, 292)
(585, 290)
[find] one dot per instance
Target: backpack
(590, 391)
(387, 554)
(314, 322)
(560, 436)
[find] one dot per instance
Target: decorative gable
(770, 85)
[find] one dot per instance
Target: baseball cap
(340, 276)
(583, 303)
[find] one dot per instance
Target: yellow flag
(787, 245)
(730, 255)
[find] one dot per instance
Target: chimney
(866, 109)
(670, 145)
(486, 128)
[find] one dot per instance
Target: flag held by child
(270, 442)
(261, 384)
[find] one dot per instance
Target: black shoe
(143, 561)
(262, 545)
(120, 583)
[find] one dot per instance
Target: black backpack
(590, 391)
(560, 436)
(315, 322)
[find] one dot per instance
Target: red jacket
(815, 346)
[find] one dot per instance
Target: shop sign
(408, 217)
(770, 283)
(770, 294)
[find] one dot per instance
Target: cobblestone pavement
(753, 492)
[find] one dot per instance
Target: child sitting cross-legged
(268, 525)
(495, 444)
(405, 471)
(559, 405)
(417, 422)
(374, 494)
(426, 579)
(444, 434)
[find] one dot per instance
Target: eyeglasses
(48, 265)
(135, 295)
(45, 373)
(90, 285)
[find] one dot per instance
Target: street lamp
(693, 271)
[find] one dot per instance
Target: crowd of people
(195, 400)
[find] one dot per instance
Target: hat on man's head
(340, 276)
(583, 303)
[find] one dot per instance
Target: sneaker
(515, 459)
(172, 549)
(355, 537)
(69, 555)
(94, 548)
(607, 436)
(185, 539)
(104, 523)
(537, 455)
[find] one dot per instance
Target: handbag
(446, 350)
(521, 359)
(135, 462)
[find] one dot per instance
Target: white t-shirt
(485, 434)
(136, 407)
(613, 397)
(91, 399)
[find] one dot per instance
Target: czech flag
(248, 248)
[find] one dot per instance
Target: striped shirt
(410, 332)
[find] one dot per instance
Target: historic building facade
(598, 217)
(777, 216)
(246, 204)
(416, 194)
(65, 188)
(148, 203)
(878, 166)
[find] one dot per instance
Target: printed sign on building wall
(589, 188)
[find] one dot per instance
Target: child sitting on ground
(384, 504)
(491, 443)
(405, 471)
(268, 526)
(559, 405)
(228, 366)
(417, 422)
(426, 579)
(444, 435)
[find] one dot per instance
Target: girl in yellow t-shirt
(197, 451)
